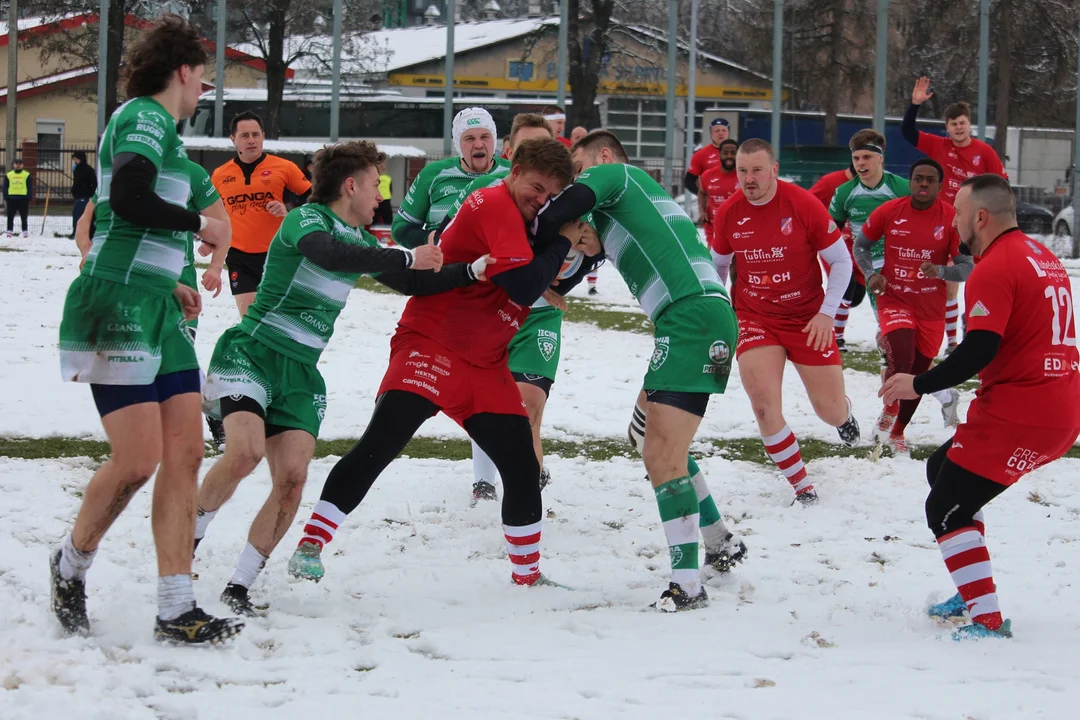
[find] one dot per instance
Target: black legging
(398, 414)
(17, 204)
(956, 494)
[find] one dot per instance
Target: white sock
(202, 521)
(74, 562)
(482, 466)
(943, 396)
(248, 567)
(175, 596)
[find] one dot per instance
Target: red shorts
(1003, 451)
(928, 333)
(756, 331)
(424, 367)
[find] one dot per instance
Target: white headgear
(469, 119)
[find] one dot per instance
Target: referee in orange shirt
(253, 186)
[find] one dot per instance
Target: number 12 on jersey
(1059, 297)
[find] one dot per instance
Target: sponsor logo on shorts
(661, 349)
(548, 342)
(314, 322)
(416, 364)
(416, 353)
(125, 327)
(719, 352)
(440, 370)
(319, 401)
(1022, 461)
(442, 360)
(425, 374)
(827, 354)
(421, 384)
(126, 359)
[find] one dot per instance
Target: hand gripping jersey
(436, 189)
(649, 238)
(246, 189)
(1021, 291)
(298, 302)
(147, 258)
(476, 322)
(959, 163)
(913, 237)
(853, 203)
(776, 247)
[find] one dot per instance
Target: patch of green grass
(607, 318)
(11, 249)
(366, 283)
(870, 362)
(592, 448)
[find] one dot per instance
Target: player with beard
(1021, 341)
(655, 247)
(438, 185)
(263, 378)
(708, 156)
(919, 240)
(449, 354)
(961, 156)
(718, 183)
(778, 231)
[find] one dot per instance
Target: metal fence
(51, 170)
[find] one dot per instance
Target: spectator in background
(384, 214)
(578, 133)
(506, 148)
(556, 117)
(83, 187)
(18, 189)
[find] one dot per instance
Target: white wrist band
(203, 222)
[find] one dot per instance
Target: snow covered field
(416, 617)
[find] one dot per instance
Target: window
(50, 139)
(520, 70)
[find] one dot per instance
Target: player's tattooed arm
(957, 272)
(863, 258)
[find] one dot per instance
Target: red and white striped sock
(968, 561)
(324, 522)
(952, 315)
(783, 448)
(980, 523)
(523, 546)
(591, 277)
(840, 321)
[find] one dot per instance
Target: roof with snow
(67, 78)
(293, 147)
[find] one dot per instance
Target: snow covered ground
(416, 617)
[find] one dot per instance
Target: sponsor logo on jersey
(977, 160)
(785, 226)
(266, 173)
(979, 310)
(743, 221)
(901, 221)
(660, 352)
(832, 226)
(1034, 248)
(548, 342)
(250, 197)
(939, 232)
(229, 179)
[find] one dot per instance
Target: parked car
(1034, 219)
(1063, 223)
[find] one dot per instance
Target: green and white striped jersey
(298, 302)
(148, 258)
(436, 189)
(650, 239)
(853, 202)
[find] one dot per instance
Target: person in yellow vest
(18, 189)
(384, 214)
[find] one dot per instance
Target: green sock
(713, 530)
(677, 501)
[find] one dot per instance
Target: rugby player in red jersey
(449, 354)
(1021, 341)
(778, 231)
(920, 240)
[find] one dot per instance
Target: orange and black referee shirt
(246, 188)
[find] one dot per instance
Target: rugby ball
(571, 264)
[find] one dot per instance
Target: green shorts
(113, 334)
(534, 350)
(693, 347)
(292, 394)
(188, 278)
